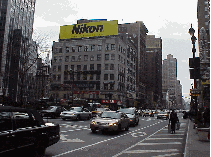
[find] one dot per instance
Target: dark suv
(52, 111)
(132, 113)
(24, 133)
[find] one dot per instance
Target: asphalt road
(149, 138)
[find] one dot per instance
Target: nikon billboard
(91, 29)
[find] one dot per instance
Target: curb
(186, 153)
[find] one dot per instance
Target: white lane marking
(122, 152)
(166, 155)
(64, 139)
(164, 138)
(139, 134)
(159, 143)
(63, 131)
(151, 151)
(169, 134)
(81, 148)
(71, 130)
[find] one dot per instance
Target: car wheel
(63, 119)
(39, 149)
(119, 127)
(89, 117)
(93, 130)
(78, 117)
(127, 128)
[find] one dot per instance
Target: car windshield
(100, 109)
(162, 112)
(113, 115)
(78, 109)
(127, 111)
(50, 108)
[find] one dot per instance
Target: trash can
(204, 134)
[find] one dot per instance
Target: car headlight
(111, 124)
(73, 114)
(93, 122)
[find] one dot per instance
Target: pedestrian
(173, 119)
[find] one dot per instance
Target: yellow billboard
(91, 29)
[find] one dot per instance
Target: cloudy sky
(168, 19)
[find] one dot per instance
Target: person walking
(173, 119)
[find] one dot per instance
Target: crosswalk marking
(158, 143)
(151, 151)
(164, 138)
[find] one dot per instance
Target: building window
(60, 50)
(111, 86)
(98, 66)
(111, 66)
(65, 77)
(79, 58)
(78, 76)
(85, 57)
(85, 48)
(112, 56)
(111, 76)
(66, 67)
(92, 58)
(60, 58)
(98, 57)
(54, 68)
(91, 77)
(99, 47)
(79, 48)
(105, 76)
(84, 76)
(92, 47)
(73, 58)
(106, 56)
(113, 46)
(73, 49)
(105, 86)
(67, 49)
(59, 68)
(85, 67)
(59, 78)
(107, 47)
(106, 66)
(54, 77)
(67, 59)
(98, 77)
(91, 66)
(78, 67)
(55, 59)
(72, 67)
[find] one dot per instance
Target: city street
(149, 138)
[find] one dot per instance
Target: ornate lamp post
(193, 39)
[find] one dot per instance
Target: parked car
(99, 111)
(110, 121)
(52, 111)
(132, 113)
(24, 133)
(148, 113)
(76, 113)
(163, 115)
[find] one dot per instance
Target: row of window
(58, 59)
(84, 77)
(85, 48)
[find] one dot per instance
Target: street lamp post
(193, 39)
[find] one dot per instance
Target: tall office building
(153, 70)
(16, 26)
(137, 33)
(169, 82)
(203, 15)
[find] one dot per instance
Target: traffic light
(194, 64)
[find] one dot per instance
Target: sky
(169, 20)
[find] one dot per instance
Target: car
(132, 113)
(163, 115)
(110, 121)
(99, 111)
(76, 113)
(148, 113)
(52, 111)
(23, 132)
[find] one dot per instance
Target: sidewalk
(194, 147)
